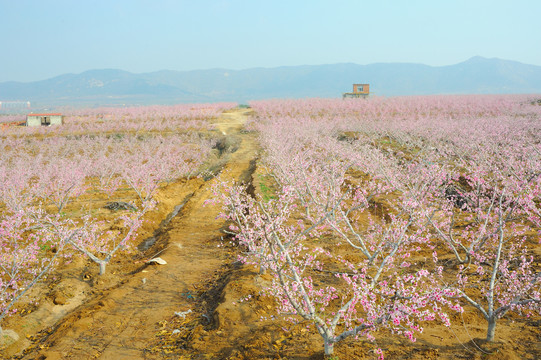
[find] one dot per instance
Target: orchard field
(405, 227)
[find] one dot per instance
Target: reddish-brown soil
(191, 308)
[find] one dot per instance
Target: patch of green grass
(267, 192)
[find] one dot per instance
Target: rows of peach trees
(98, 153)
(393, 213)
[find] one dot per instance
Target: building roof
(51, 114)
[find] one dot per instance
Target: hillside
(477, 75)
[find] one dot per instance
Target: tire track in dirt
(122, 322)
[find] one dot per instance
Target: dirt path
(124, 321)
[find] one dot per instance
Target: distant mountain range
(477, 75)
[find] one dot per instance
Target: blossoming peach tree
(28, 251)
(489, 221)
(379, 290)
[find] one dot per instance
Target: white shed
(44, 119)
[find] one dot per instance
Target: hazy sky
(45, 38)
